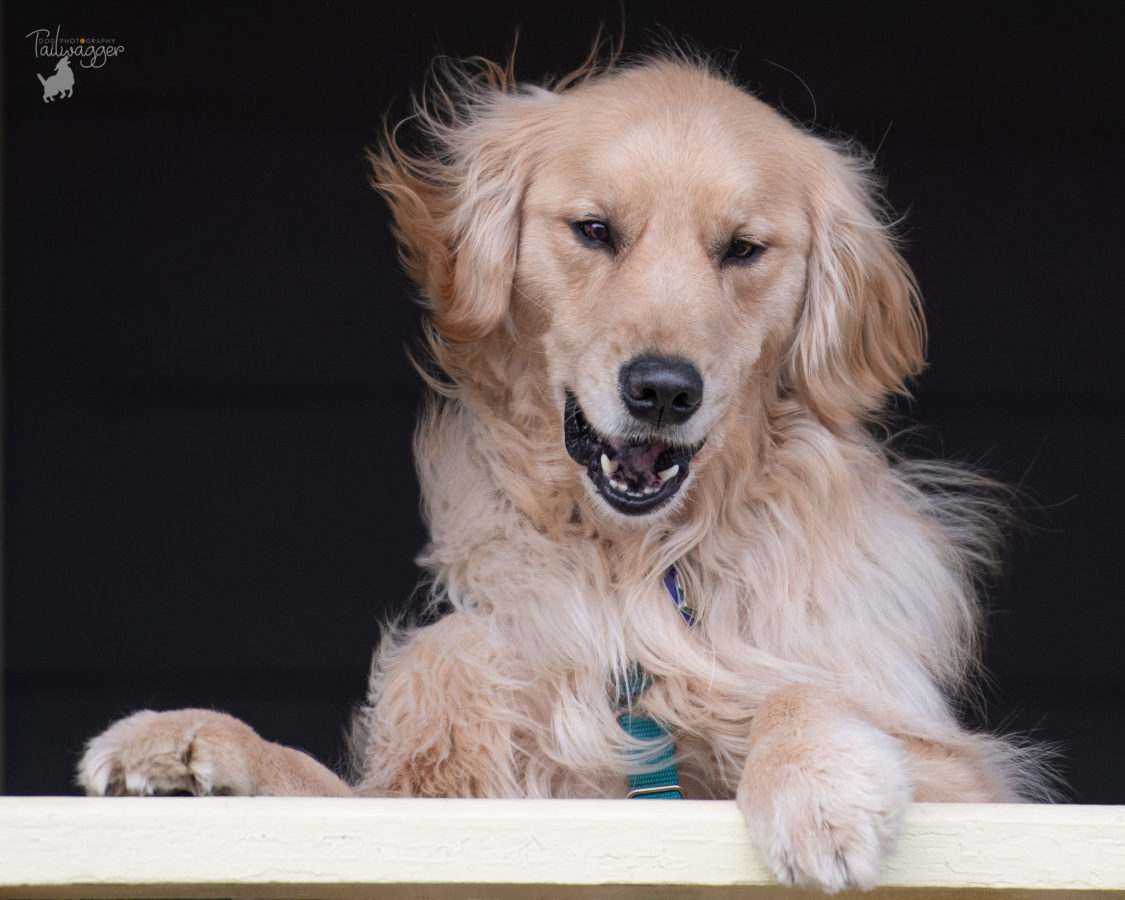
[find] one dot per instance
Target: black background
(208, 492)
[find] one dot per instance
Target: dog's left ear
(456, 203)
(861, 334)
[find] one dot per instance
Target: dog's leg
(823, 790)
(196, 751)
(445, 718)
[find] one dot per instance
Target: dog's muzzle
(636, 476)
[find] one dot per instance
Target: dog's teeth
(609, 466)
(619, 484)
(671, 472)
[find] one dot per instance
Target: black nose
(663, 390)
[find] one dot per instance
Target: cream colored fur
(834, 585)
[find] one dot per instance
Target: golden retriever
(663, 320)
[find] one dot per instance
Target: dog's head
(670, 253)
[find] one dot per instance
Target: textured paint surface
(270, 847)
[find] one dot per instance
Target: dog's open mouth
(634, 477)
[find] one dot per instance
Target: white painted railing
(74, 847)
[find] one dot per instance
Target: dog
(61, 84)
(663, 325)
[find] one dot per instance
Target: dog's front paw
(188, 751)
(824, 801)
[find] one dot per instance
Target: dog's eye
(595, 232)
(741, 251)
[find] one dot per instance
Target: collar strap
(658, 756)
(659, 781)
(679, 599)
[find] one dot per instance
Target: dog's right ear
(456, 199)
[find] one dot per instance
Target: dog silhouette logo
(61, 84)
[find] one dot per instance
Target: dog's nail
(670, 472)
(609, 466)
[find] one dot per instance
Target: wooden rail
(264, 847)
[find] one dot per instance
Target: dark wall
(208, 493)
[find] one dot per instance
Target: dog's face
(665, 241)
(670, 253)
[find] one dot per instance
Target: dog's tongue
(639, 457)
(636, 464)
